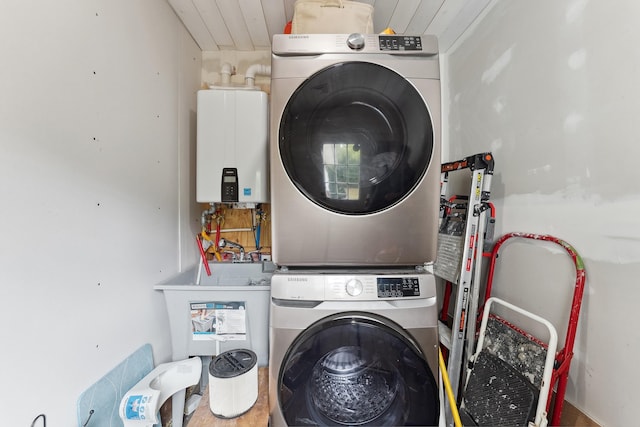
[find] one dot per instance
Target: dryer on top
(354, 149)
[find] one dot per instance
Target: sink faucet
(224, 243)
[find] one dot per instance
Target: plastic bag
(332, 17)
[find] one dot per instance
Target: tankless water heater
(232, 146)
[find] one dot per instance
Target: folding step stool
(509, 377)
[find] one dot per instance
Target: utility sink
(223, 274)
(239, 292)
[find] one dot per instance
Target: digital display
(400, 43)
(229, 185)
(394, 287)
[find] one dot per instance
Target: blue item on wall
(103, 397)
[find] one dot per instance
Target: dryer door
(356, 369)
(356, 138)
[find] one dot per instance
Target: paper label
(218, 320)
(138, 407)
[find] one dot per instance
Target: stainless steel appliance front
(355, 149)
(353, 348)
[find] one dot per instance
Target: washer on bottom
(353, 348)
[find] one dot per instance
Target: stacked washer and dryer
(355, 176)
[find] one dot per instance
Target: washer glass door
(356, 369)
(356, 138)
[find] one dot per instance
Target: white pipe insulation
(250, 75)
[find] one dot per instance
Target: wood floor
(571, 416)
(259, 413)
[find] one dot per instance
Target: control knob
(355, 41)
(354, 287)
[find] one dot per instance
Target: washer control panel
(398, 287)
(350, 287)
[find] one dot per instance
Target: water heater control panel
(229, 188)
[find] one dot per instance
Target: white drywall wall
(551, 88)
(97, 147)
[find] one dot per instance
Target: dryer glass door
(356, 370)
(356, 138)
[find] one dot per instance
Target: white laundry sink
(224, 274)
(237, 292)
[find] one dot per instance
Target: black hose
(44, 420)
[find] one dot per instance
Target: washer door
(356, 369)
(356, 138)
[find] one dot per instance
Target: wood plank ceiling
(246, 25)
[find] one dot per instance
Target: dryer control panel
(354, 44)
(400, 42)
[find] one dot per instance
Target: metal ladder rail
(469, 347)
(482, 167)
(448, 291)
